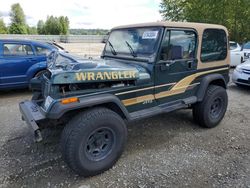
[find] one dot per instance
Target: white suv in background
(246, 50)
(237, 55)
(241, 74)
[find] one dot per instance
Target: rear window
(17, 49)
(214, 45)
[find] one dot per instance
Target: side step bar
(164, 108)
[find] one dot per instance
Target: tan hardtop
(199, 27)
(196, 26)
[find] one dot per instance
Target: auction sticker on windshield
(150, 35)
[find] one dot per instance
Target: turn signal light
(69, 100)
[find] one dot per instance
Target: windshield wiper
(131, 49)
(112, 48)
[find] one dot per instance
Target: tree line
(88, 31)
(52, 26)
(235, 15)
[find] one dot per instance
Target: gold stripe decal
(183, 84)
(178, 88)
(143, 89)
(174, 91)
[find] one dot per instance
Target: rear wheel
(211, 110)
(93, 141)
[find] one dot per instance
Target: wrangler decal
(112, 75)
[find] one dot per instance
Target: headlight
(238, 69)
(246, 55)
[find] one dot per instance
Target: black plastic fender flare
(205, 81)
(58, 109)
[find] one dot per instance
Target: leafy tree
(17, 17)
(41, 27)
(173, 10)
(235, 15)
(3, 28)
(88, 31)
(31, 30)
(64, 22)
(53, 26)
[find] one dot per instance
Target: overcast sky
(87, 13)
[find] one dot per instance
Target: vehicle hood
(245, 65)
(246, 50)
(97, 70)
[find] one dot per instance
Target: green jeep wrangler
(144, 70)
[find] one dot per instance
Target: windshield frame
(139, 57)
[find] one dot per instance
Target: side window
(214, 45)
(41, 50)
(179, 44)
(17, 49)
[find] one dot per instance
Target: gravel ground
(168, 150)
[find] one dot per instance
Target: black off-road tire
(93, 141)
(212, 109)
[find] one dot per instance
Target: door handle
(166, 65)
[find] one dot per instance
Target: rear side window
(17, 49)
(214, 45)
(41, 50)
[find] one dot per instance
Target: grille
(244, 81)
(246, 71)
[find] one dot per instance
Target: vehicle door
(16, 60)
(236, 58)
(176, 63)
(235, 54)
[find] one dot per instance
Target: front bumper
(31, 114)
(241, 78)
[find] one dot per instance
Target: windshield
(246, 46)
(133, 42)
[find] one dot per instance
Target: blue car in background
(22, 60)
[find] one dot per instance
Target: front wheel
(212, 109)
(93, 141)
(40, 73)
